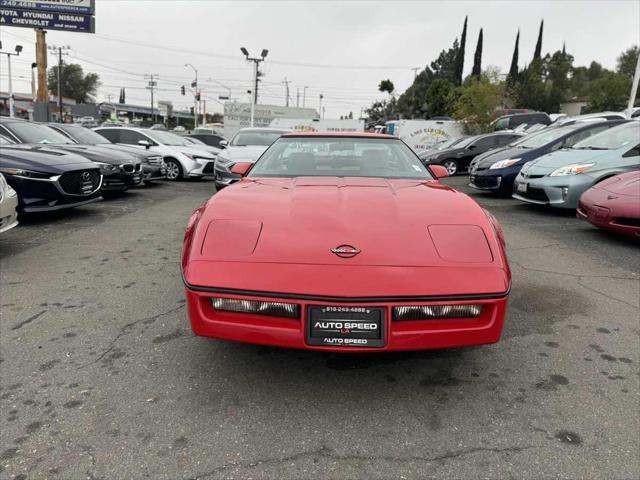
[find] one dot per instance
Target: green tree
(627, 61)
(609, 92)
(513, 70)
(538, 51)
(460, 54)
(477, 58)
(530, 92)
(75, 84)
(477, 103)
(386, 86)
(440, 98)
(445, 66)
(557, 68)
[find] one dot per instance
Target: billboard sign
(69, 22)
(238, 115)
(311, 125)
(84, 7)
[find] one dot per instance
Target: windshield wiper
(590, 148)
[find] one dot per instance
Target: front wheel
(174, 169)
(451, 166)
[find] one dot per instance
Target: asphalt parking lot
(101, 377)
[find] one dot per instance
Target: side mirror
(145, 143)
(438, 171)
(241, 168)
(223, 144)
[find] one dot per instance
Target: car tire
(174, 169)
(451, 166)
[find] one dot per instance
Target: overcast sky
(341, 49)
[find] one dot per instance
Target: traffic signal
(198, 96)
(182, 90)
(191, 110)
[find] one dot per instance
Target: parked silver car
(8, 206)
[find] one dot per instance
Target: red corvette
(614, 204)
(345, 242)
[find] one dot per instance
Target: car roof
(339, 135)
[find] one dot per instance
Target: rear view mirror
(145, 143)
(438, 171)
(241, 168)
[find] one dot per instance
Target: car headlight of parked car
(19, 172)
(504, 163)
(573, 169)
(107, 168)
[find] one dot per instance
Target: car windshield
(34, 133)
(84, 135)
(539, 139)
(340, 157)
(255, 137)
(449, 143)
(624, 135)
(466, 141)
(194, 141)
(167, 138)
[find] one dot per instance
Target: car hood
(625, 184)
(135, 151)
(413, 237)
(249, 153)
(561, 158)
(42, 159)
(101, 153)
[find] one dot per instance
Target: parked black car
(153, 167)
(507, 122)
(457, 158)
(119, 170)
(48, 179)
(496, 171)
(210, 139)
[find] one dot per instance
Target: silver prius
(559, 178)
(8, 205)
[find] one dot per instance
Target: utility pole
(256, 61)
(320, 106)
(286, 86)
(53, 48)
(304, 97)
(298, 97)
(196, 96)
(415, 72)
(152, 77)
(34, 96)
(12, 104)
(41, 60)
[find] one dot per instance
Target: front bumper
(223, 176)
(597, 209)
(8, 212)
(558, 192)
(397, 335)
(121, 181)
(496, 180)
(203, 168)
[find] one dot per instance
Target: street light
(18, 49)
(256, 62)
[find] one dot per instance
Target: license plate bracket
(522, 187)
(345, 326)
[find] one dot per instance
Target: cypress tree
(513, 71)
(477, 58)
(538, 52)
(460, 58)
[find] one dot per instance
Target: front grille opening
(274, 309)
(80, 182)
(434, 312)
(627, 222)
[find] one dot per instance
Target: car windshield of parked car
(167, 138)
(449, 143)
(34, 133)
(255, 137)
(194, 140)
(542, 138)
(84, 135)
(340, 157)
(617, 137)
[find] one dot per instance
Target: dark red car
(614, 204)
(345, 242)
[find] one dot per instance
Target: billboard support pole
(41, 60)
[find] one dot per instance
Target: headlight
(504, 163)
(433, 312)
(106, 168)
(573, 169)
(275, 309)
(24, 173)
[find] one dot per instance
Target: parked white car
(182, 158)
(8, 205)
(202, 146)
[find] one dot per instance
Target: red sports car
(345, 242)
(614, 204)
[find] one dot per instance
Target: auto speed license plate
(522, 187)
(338, 326)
